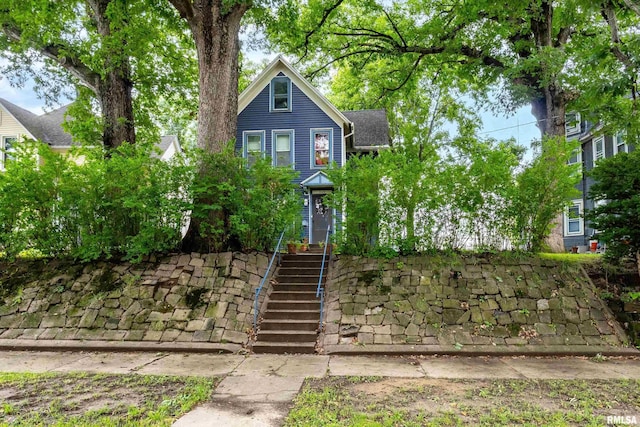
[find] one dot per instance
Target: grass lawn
(98, 400)
(358, 401)
(573, 258)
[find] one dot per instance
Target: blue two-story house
(283, 117)
(594, 146)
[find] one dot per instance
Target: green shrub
(90, 206)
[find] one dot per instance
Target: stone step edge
(124, 346)
(284, 344)
(480, 350)
(286, 332)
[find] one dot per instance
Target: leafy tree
(618, 217)
(113, 48)
(550, 55)
(532, 51)
(357, 192)
(542, 190)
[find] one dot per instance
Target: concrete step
(304, 256)
(292, 314)
(287, 336)
(298, 279)
(300, 271)
(288, 325)
(278, 295)
(301, 287)
(284, 347)
(293, 305)
(302, 264)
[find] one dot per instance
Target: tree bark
(214, 27)
(114, 86)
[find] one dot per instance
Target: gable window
(321, 142)
(572, 124)
(253, 146)
(598, 149)
(573, 221)
(7, 145)
(619, 146)
(281, 94)
(283, 147)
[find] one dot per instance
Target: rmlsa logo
(622, 420)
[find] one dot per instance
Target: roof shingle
(370, 128)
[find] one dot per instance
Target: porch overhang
(317, 180)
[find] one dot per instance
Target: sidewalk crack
(160, 356)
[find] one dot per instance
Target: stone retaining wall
(202, 298)
(474, 300)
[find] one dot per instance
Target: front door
(320, 218)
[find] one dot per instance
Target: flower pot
(291, 248)
(304, 247)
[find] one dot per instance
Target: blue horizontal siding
(304, 116)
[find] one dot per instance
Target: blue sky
(521, 126)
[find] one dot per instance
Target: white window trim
(580, 232)
(246, 134)
(572, 129)
(615, 143)
(292, 140)
(593, 148)
(313, 131)
(578, 157)
(272, 96)
(3, 154)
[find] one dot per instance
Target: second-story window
(598, 149)
(619, 146)
(283, 147)
(253, 146)
(281, 94)
(572, 124)
(7, 145)
(321, 141)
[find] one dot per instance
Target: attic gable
(279, 66)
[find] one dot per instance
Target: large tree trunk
(215, 29)
(550, 107)
(114, 86)
(116, 104)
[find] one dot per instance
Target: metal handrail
(266, 274)
(319, 290)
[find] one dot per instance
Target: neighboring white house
(16, 124)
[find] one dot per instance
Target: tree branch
(61, 54)
(633, 6)
(184, 8)
(395, 28)
(609, 14)
(307, 36)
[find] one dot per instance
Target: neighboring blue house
(281, 116)
(593, 147)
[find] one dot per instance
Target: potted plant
(292, 247)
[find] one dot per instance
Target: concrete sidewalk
(257, 390)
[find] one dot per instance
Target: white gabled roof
(318, 179)
(280, 65)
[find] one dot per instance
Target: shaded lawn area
(371, 401)
(587, 258)
(80, 399)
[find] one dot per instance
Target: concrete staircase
(290, 321)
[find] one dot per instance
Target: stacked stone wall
(473, 300)
(188, 297)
